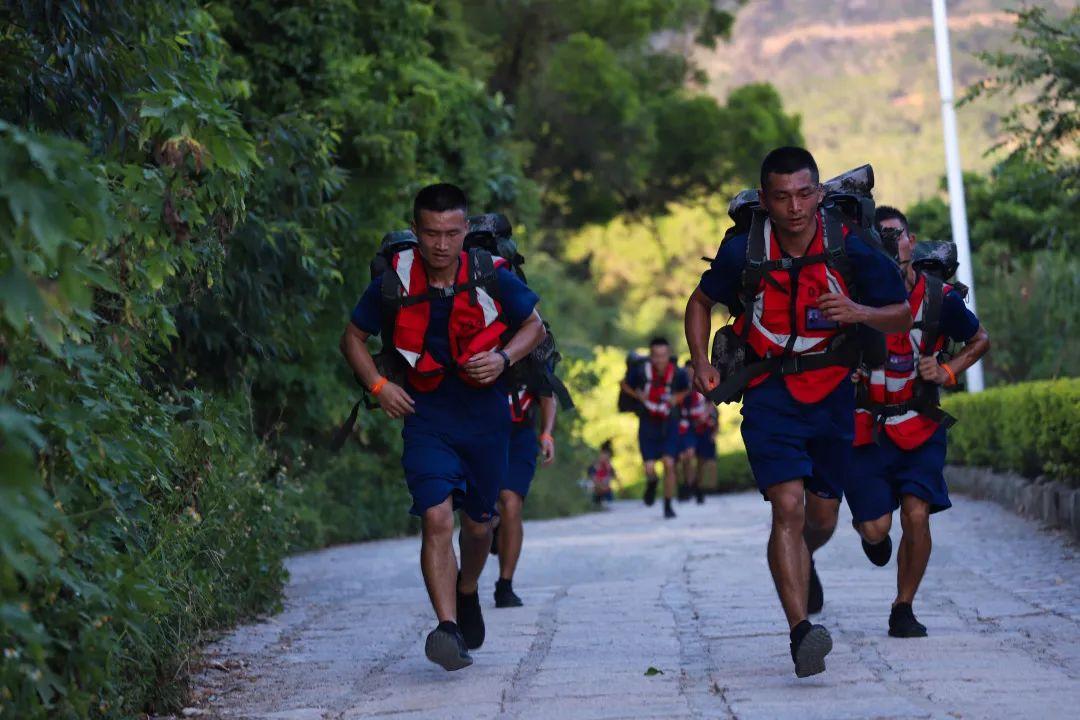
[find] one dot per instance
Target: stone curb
(1048, 501)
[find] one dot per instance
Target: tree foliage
(189, 197)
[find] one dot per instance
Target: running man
(525, 446)
(899, 435)
(447, 340)
(798, 422)
(660, 386)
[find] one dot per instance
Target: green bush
(1030, 428)
(733, 472)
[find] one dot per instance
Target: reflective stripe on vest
(520, 413)
(658, 402)
(771, 327)
(894, 383)
(473, 328)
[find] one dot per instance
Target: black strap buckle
(790, 365)
(786, 263)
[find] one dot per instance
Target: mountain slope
(863, 75)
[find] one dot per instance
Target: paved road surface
(611, 594)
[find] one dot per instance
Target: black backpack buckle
(790, 365)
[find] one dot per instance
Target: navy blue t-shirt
(877, 283)
(957, 321)
(453, 405)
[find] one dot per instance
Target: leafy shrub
(1030, 428)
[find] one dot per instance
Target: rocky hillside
(863, 75)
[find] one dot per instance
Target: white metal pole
(957, 206)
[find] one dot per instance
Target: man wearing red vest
(660, 386)
(797, 424)
(525, 446)
(900, 448)
(455, 338)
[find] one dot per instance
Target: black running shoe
(700, 495)
(446, 647)
(505, 597)
(684, 492)
(650, 492)
(815, 599)
(495, 541)
(809, 651)
(470, 619)
(669, 512)
(902, 622)
(880, 553)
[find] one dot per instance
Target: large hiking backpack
(493, 233)
(628, 403)
(848, 204)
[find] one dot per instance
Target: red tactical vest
(519, 412)
(894, 383)
(474, 326)
(658, 403)
(775, 320)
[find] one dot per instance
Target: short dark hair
(440, 197)
(887, 212)
(657, 341)
(787, 160)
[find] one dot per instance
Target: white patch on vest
(404, 268)
(487, 304)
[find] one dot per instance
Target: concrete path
(612, 594)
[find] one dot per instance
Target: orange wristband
(545, 436)
(950, 373)
(378, 386)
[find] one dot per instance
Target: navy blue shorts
(882, 474)
(469, 464)
(659, 438)
(687, 442)
(705, 445)
(788, 440)
(524, 449)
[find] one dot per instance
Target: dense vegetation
(189, 195)
(1024, 216)
(1030, 428)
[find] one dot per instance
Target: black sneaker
(902, 622)
(809, 651)
(669, 512)
(495, 541)
(684, 492)
(650, 492)
(446, 647)
(470, 619)
(505, 597)
(700, 495)
(880, 553)
(815, 599)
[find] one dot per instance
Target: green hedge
(1030, 428)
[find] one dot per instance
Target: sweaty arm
(698, 325)
(391, 397)
(547, 428)
(960, 321)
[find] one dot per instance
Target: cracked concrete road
(611, 594)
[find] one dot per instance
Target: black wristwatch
(506, 359)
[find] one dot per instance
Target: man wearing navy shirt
(660, 385)
(797, 426)
(900, 450)
(449, 338)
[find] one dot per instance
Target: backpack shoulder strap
(754, 269)
(835, 243)
(933, 295)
